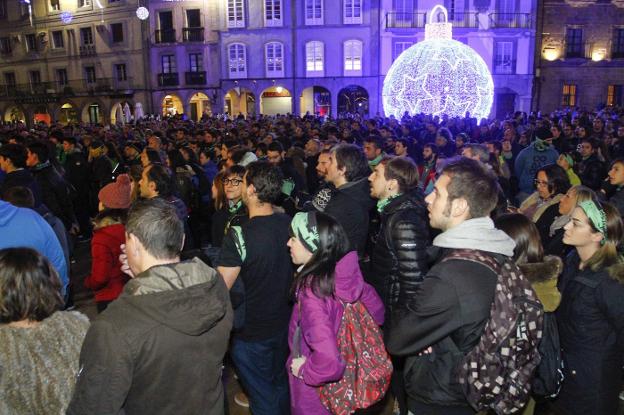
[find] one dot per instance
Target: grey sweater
(38, 365)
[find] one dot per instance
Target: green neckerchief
(374, 162)
(541, 145)
(382, 203)
(234, 208)
(42, 166)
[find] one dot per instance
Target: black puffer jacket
(592, 172)
(55, 193)
(399, 260)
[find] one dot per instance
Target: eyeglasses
(540, 183)
(233, 182)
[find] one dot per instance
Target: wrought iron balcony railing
(511, 20)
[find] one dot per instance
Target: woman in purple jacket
(329, 274)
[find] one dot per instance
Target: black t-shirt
(266, 271)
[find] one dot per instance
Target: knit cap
(303, 227)
(117, 195)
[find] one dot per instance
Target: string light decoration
(66, 17)
(438, 76)
(142, 13)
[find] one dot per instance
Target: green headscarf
(303, 226)
(597, 216)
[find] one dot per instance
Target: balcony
(511, 20)
(402, 20)
(579, 50)
(168, 79)
(165, 36)
(193, 34)
(504, 67)
(464, 20)
(51, 91)
(195, 78)
(87, 50)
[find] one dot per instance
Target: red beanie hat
(117, 195)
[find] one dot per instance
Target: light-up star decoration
(438, 76)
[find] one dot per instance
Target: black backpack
(549, 373)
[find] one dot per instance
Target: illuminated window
(273, 12)
(353, 58)
(314, 58)
(313, 12)
(352, 12)
(569, 95)
(237, 60)
(235, 13)
(274, 55)
(615, 95)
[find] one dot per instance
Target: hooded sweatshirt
(478, 233)
(529, 161)
(159, 347)
(21, 227)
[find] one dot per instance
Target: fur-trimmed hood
(543, 278)
(617, 272)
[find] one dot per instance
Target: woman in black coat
(591, 314)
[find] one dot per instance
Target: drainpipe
(537, 64)
(293, 36)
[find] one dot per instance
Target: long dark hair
(526, 236)
(318, 272)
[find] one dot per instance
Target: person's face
(371, 151)
(541, 183)
(224, 152)
(506, 144)
(311, 147)
(467, 152)
(245, 190)
(616, 174)
(620, 132)
(274, 157)
(67, 147)
(208, 138)
(598, 124)
(491, 148)
(322, 165)
(179, 135)
(233, 187)
(437, 204)
(586, 149)
(427, 153)
(32, 159)
(378, 183)
(567, 202)
(580, 131)
(333, 173)
(144, 159)
(298, 252)
(578, 232)
(3, 164)
(146, 188)
(152, 142)
(399, 149)
(440, 141)
(203, 160)
(568, 130)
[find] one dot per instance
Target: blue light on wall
(438, 76)
(66, 17)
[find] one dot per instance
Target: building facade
(581, 62)
(71, 60)
(501, 31)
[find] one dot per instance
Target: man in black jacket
(591, 169)
(446, 317)
(13, 163)
(159, 347)
(78, 174)
(351, 202)
(399, 261)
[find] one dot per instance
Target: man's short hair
(16, 153)
(276, 146)
(70, 140)
(402, 141)
(474, 182)
(479, 150)
(19, 196)
(267, 180)
(353, 160)
(160, 176)
(155, 223)
(403, 170)
(375, 140)
(40, 149)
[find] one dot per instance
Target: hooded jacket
(543, 277)
(158, 348)
(449, 312)
(55, 193)
(350, 206)
(529, 161)
(319, 320)
(591, 331)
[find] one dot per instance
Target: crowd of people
(246, 240)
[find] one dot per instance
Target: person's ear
(459, 207)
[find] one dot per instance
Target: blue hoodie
(20, 227)
(528, 162)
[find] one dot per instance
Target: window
(61, 77)
(237, 60)
(165, 20)
(34, 77)
(617, 50)
(272, 12)
(574, 43)
(403, 11)
(55, 5)
(168, 64)
(352, 11)
(57, 39)
(9, 79)
(3, 9)
(31, 42)
(504, 62)
(195, 62)
(399, 47)
(193, 18)
(120, 72)
(86, 36)
(5, 46)
(352, 58)
(569, 95)
(274, 56)
(313, 12)
(90, 74)
(314, 58)
(235, 13)
(84, 3)
(24, 9)
(117, 35)
(615, 95)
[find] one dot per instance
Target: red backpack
(368, 367)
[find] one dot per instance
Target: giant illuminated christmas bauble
(438, 76)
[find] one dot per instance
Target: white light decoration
(279, 89)
(438, 76)
(66, 17)
(142, 13)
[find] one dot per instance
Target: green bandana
(569, 159)
(382, 203)
(303, 226)
(541, 145)
(597, 216)
(233, 208)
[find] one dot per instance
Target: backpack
(497, 374)
(368, 367)
(549, 373)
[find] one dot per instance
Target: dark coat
(617, 200)
(448, 312)
(350, 206)
(78, 173)
(591, 330)
(592, 172)
(55, 193)
(158, 349)
(399, 260)
(22, 178)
